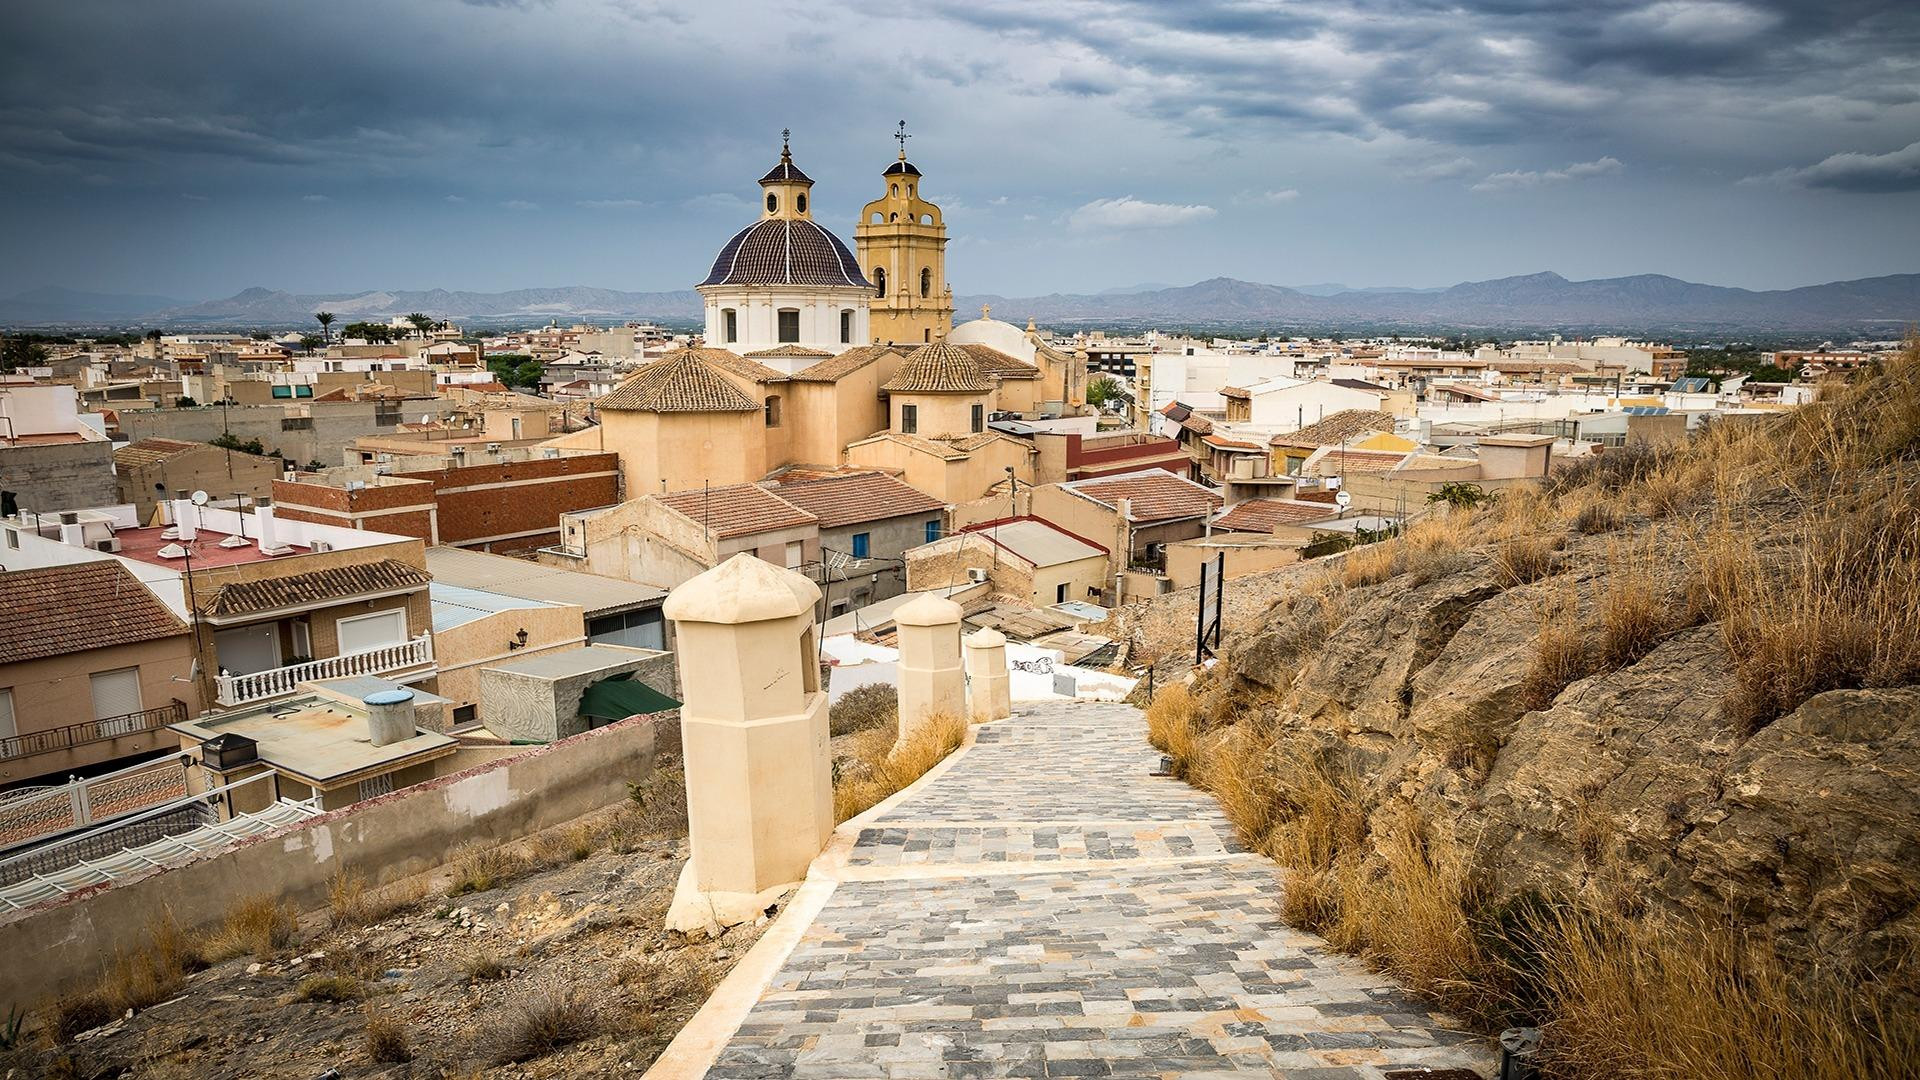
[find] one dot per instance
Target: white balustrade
(255, 686)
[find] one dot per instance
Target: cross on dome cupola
(784, 190)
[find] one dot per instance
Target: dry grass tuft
(540, 1024)
(1667, 999)
(1598, 516)
(880, 767)
(863, 708)
(257, 926)
(351, 903)
(483, 966)
(1170, 725)
(481, 866)
(1524, 558)
(1635, 615)
(153, 972)
(334, 988)
(1560, 654)
(387, 1041)
(1370, 564)
(76, 1013)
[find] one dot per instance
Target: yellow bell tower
(901, 242)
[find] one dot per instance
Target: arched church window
(878, 217)
(773, 202)
(800, 202)
(773, 411)
(893, 190)
(893, 217)
(926, 281)
(880, 281)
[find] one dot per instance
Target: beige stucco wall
(461, 652)
(1079, 576)
(681, 451)
(1081, 517)
(57, 691)
(215, 470)
(941, 414)
(1184, 558)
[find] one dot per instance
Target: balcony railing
(240, 689)
(112, 727)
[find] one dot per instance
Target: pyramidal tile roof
(845, 364)
(857, 497)
(681, 381)
(1337, 427)
(995, 362)
(790, 350)
(737, 510)
(939, 368)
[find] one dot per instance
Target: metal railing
(112, 727)
(240, 689)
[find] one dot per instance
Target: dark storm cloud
(569, 109)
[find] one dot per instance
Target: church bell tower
(901, 243)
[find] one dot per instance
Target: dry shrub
(880, 766)
(351, 903)
(1170, 725)
(1634, 613)
(558, 846)
(1598, 516)
(1235, 764)
(1607, 470)
(480, 866)
(540, 1024)
(353, 960)
(334, 988)
(387, 1041)
(1521, 559)
(1466, 738)
(483, 966)
(153, 972)
(864, 707)
(76, 1013)
(255, 926)
(1674, 999)
(1560, 654)
(656, 808)
(1367, 565)
(1836, 611)
(1415, 916)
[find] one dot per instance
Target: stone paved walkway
(1047, 908)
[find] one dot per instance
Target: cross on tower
(902, 136)
(785, 133)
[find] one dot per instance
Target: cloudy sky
(192, 148)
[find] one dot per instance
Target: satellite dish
(1343, 499)
(198, 498)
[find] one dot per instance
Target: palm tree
(421, 323)
(325, 319)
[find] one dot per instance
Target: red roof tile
(55, 610)
(1154, 495)
(737, 510)
(847, 500)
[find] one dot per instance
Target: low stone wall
(66, 943)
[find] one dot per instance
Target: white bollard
(989, 689)
(931, 680)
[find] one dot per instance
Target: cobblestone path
(1047, 908)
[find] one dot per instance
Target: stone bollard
(753, 733)
(989, 692)
(931, 682)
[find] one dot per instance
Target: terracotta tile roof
(1234, 392)
(843, 365)
(1335, 428)
(937, 447)
(1225, 443)
(737, 510)
(789, 350)
(1175, 410)
(147, 451)
(1334, 461)
(847, 500)
(1265, 515)
(681, 381)
(752, 370)
(1155, 495)
(55, 610)
(316, 586)
(994, 362)
(1197, 424)
(939, 368)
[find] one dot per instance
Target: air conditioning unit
(976, 574)
(320, 546)
(493, 448)
(457, 451)
(110, 544)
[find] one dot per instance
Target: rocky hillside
(1671, 703)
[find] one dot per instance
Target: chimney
(389, 716)
(183, 516)
(263, 524)
(71, 531)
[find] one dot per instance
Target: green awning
(619, 698)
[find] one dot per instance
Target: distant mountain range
(1646, 302)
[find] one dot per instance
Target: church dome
(903, 167)
(786, 251)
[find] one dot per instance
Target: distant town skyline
(197, 148)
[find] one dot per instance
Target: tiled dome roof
(786, 172)
(903, 167)
(779, 251)
(681, 381)
(939, 368)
